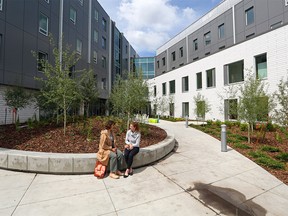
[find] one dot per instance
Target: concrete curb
(60, 163)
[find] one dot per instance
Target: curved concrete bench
(60, 163)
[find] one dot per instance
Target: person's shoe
(125, 176)
(114, 176)
(131, 173)
(119, 173)
(126, 173)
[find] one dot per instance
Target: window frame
(181, 52)
(221, 31)
(164, 89)
(73, 15)
(227, 74)
(96, 36)
(172, 83)
(40, 67)
(103, 43)
(257, 65)
(173, 54)
(41, 30)
(185, 84)
(248, 15)
(198, 81)
(195, 44)
(104, 62)
(163, 61)
(95, 57)
(207, 38)
(104, 24)
(212, 83)
(79, 46)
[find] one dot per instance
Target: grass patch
(269, 148)
(241, 146)
(239, 137)
(282, 156)
(258, 154)
(271, 163)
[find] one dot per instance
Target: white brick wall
(6, 114)
(274, 43)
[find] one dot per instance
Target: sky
(148, 24)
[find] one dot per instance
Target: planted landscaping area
(268, 146)
(82, 135)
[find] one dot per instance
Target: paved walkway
(197, 179)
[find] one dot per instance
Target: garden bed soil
(50, 138)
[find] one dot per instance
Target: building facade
(217, 53)
(145, 66)
(83, 25)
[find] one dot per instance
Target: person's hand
(114, 149)
(131, 147)
(127, 146)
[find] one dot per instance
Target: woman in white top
(132, 144)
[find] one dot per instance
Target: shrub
(282, 156)
(218, 123)
(228, 124)
(243, 127)
(209, 122)
(270, 127)
(270, 148)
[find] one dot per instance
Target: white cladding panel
(274, 43)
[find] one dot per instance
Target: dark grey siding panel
(31, 18)
(15, 16)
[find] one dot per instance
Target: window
(95, 36)
(43, 24)
(95, 57)
(261, 66)
(163, 61)
(96, 15)
(195, 44)
(155, 91)
(181, 53)
(199, 80)
(81, 2)
(72, 71)
(210, 78)
(45, 0)
(73, 15)
(173, 56)
(104, 24)
(221, 31)
(42, 57)
(163, 88)
(172, 87)
(103, 61)
(103, 83)
(158, 64)
(185, 84)
(79, 46)
(126, 49)
(103, 43)
(1, 5)
(234, 72)
(230, 109)
(185, 109)
(249, 16)
(207, 38)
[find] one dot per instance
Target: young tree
(129, 95)
(88, 90)
(16, 98)
(58, 85)
(201, 106)
(281, 113)
(254, 104)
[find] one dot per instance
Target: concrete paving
(196, 179)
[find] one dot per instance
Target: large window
(95, 36)
(230, 109)
(199, 80)
(210, 78)
(163, 61)
(96, 15)
(43, 24)
(163, 88)
(172, 87)
(234, 72)
(79, 46)
(185, 84)
(249, 14)
(221, 31)
(103, 43)
(73, 15)
(173, 56)
(104, 24)
(181, 53)
(42, 57)
(95, 57)
(261, 66)
(103, 61)
(207, 38)
(185, 109)
(195, 44)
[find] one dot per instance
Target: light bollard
(186, 121)
(223, 138)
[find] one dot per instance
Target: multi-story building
(218, 51)
(85, 26)
(145, 66)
